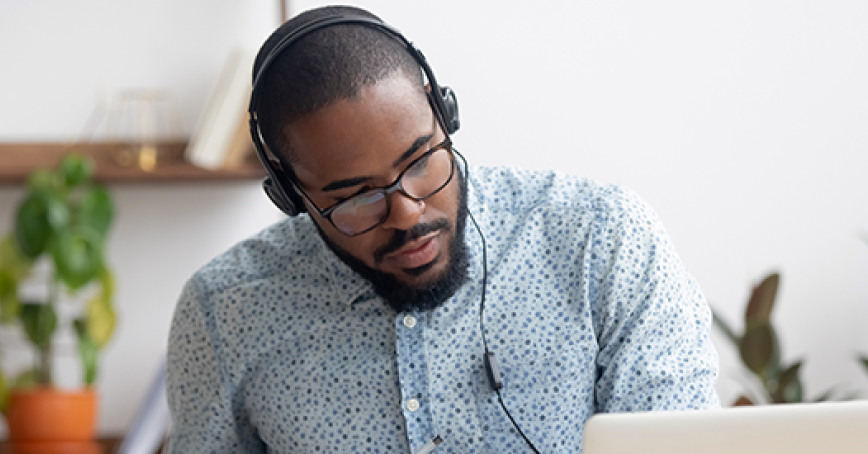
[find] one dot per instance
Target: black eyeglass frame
(396, 185)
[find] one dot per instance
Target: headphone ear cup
(288, 204)
(450, 109)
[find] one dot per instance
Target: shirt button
(412, 405)
(409, 321)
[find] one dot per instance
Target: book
(241, 146)
(215, 136)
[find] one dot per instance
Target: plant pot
(50, 421)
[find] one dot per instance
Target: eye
(362, 191)
(419, 166)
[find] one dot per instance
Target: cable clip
(493, 371)
(428, 447)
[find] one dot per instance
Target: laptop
(838, 428)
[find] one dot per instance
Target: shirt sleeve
(206, 415)
(650, 317)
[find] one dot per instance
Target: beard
(406, 298)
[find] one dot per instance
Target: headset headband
(278, 185)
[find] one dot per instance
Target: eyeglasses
(423, 178)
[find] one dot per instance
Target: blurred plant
(63, 221)
(760, 350)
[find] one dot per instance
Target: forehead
(359, 136)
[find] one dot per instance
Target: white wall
(60, 60)
(742, 122)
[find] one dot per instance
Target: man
(420, 303)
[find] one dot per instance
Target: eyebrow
(355, 181)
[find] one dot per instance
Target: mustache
(402, 237)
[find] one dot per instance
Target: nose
(404, 212)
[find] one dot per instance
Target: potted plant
(759, 348)
(60, 228)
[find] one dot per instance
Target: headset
(278, 185)
(281, 189)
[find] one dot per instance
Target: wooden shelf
(18, 160)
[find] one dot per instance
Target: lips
(418, 252)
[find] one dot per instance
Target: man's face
(357, 144)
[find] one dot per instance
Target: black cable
(490, 363)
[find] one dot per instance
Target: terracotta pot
(51, 421)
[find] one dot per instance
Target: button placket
(412, 372)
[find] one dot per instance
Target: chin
(425, 287)
(424, 276)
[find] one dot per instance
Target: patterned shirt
(278, 346)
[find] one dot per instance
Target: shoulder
(259, 282)
(265, 257)
(282, 246)
(272, 274)
(510, 189)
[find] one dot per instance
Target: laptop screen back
(840, 428)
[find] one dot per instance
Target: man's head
(345, 110)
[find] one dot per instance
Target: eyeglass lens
(421, 180)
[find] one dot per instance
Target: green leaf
(4, 394)
(100, 313)
(39, 321)
(80, 326)
(789, 388)
(10, 305)
(77, 254)
(758, 349)
(44, 180)
(864, 361)
(762, 299)
(32, 229)
(12, 260)
(87, 351)
(107, 280)
(14, 267)
(96, 210)
(58, 211)
(721, 324)
(76, 169)
(39, 216)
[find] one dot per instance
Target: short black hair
(328, 65)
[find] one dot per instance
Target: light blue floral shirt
(278, 346)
